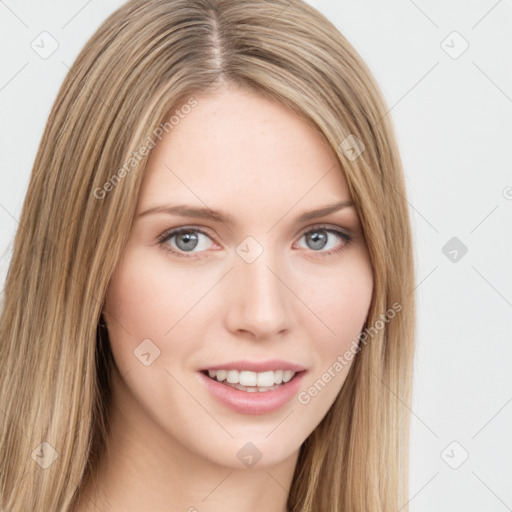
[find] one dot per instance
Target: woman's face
(261, 295)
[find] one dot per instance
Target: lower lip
(258, 402)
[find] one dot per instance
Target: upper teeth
(246, 378)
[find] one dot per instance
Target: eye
(181, 241)
(186, 240)
(317, 239)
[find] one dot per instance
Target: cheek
(349, 306)
(148, 299)
(137, 310)
(343, 303)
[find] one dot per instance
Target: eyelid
(327, 227)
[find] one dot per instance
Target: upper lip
(257, 366)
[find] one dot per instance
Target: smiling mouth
(252, 381)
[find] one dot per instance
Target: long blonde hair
(147, 59)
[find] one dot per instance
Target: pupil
(186, 238)
(318, 238)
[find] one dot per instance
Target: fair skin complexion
(174, 446)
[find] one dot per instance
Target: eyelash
(165, 237)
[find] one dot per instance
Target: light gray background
(453, 119)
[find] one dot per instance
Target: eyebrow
(219, 216)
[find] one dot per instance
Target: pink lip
(258, 402)
(258, 366)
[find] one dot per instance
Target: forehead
(237, 147)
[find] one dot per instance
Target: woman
(209, 303)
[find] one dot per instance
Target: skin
(173, 446)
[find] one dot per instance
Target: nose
(258, 299)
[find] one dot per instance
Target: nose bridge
(259, 298)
